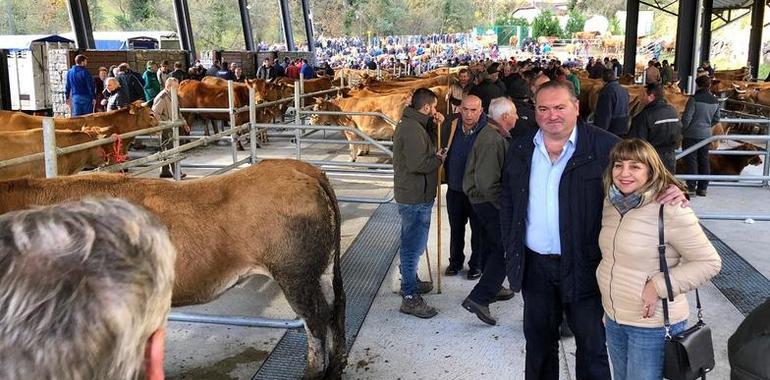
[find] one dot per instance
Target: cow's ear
(319, 100)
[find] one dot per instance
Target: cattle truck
(28, 74)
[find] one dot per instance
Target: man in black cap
(489, 87)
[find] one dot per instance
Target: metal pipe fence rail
(51, 151)
(763, 179)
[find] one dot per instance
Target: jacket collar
(413, 114)
(583, 149)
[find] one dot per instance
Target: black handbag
(690, 354)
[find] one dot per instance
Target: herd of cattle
(21, 134)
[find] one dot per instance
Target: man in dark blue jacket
(551, 209)
(458, 135)
(612, 108)
(80, 88)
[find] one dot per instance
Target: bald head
(539, 81)
(471, 110)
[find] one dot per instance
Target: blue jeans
(415, 225)
(82, 105)
(637, 352)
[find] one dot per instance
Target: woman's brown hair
(641, 151)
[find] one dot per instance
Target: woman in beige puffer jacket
(629, 275)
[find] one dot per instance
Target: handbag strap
(667, 276)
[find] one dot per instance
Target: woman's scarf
(624, 203)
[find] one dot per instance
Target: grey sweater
(700, 114)
(483, 171)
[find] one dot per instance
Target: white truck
(28, 69)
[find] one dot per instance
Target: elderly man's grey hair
(83, 285)
(500, 106)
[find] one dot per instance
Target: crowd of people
(567, 211)
(545, 192)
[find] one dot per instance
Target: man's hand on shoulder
(673, 195)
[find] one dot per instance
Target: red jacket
(292, 71)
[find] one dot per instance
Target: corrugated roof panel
(23, 42)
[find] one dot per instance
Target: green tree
(545, 24)
(575, 23)
(615, 28)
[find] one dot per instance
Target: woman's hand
(649, 299)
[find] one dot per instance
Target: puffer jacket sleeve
(699, 261)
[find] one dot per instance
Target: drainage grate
(739, 281)
(364, 267)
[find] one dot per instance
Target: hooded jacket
(415, 163)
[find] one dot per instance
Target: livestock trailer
(28, 74)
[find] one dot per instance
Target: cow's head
(143, 117)
(323, 105)
(265, 91)
(754, 159)
(100, 155)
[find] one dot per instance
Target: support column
(184, 29)
(5, 82)
(309, 32)
(687, 41)
(80, 20)
(248, 36)
(755, 37)
(629, 51)
(705, 48)
(286, 25)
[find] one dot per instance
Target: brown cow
(735, 74)
(289, 204)
(211, 92)
(585, 35)
(132, 118)
(374, 127)
(24, 143)
(721, 164)
(391, 105)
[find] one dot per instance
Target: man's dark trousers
(543, 310)
(494, 271)
(460, 210)
(697, 163)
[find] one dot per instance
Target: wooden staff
(438, 221)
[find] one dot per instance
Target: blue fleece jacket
(459, 151)
(80, 83)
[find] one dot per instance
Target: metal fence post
(253, 122)
(49, 147)
(297, 132)
(231, 105)
(176, 167)
(766, 160)
(301, 87)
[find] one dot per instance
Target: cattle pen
(226, 339)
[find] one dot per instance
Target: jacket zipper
(612, 268)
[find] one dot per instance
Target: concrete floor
(453, 345)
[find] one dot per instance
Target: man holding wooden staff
(416, 160)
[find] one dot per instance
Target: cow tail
(338, 313)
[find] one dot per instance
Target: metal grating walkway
(739, 281)
(364, 267)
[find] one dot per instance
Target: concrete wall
(58, 64)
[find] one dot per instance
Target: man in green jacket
(151, 83)
(482, 185)
(415, 165)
